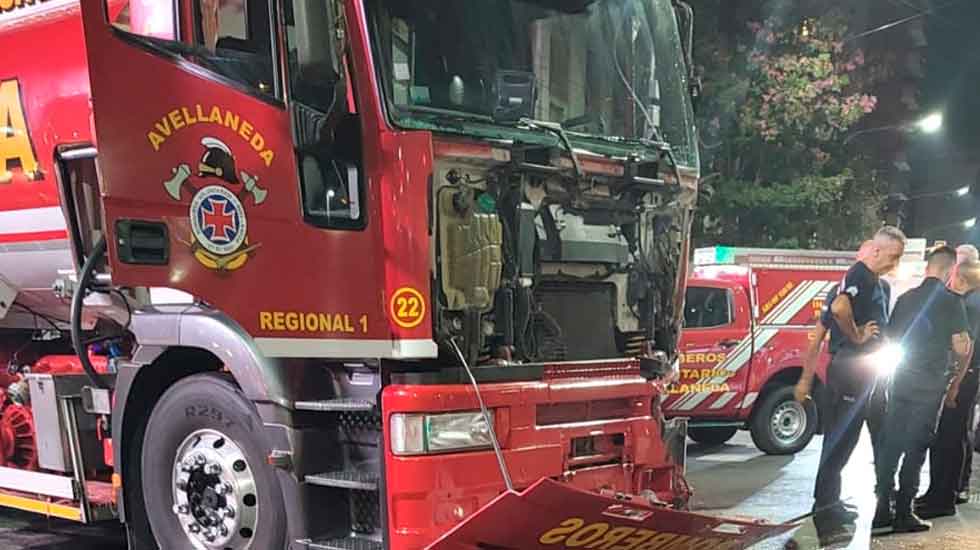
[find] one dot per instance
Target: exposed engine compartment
(538, 262)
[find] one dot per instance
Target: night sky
(953, 69)
(950, 159)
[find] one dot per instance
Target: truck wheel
(780, 425)
(712, 436)
(206, 481)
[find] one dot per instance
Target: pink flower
(859, 58)
(868, 103)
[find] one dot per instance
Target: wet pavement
(734, 479)
(737, 479)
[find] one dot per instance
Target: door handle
(728, 344)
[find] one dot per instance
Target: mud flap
(553, 516)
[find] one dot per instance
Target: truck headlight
(419, 434)
(886, 359)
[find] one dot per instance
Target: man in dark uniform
(928, 320)
(859, 308)
(952, 446)
(875, 410)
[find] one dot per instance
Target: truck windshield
(600, 68)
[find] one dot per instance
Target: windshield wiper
(450, 114)
(619, 140)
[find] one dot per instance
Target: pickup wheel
(206, 482)
(780, 425)
(712, 436)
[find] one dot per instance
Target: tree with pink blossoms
(779, 101)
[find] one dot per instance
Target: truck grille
(551, 414)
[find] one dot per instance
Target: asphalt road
(737, 479)
(734, 480)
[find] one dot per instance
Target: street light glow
(931, 123)
(969, 223)
(962, 191)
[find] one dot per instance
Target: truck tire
(206, 480)
(712, 436)
(780, 425)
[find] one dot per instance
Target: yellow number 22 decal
(407, 307)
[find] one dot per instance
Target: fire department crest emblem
(218, 221)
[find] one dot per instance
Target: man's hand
(802, 391)
(951, 395)
(867, 331)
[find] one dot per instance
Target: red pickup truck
(748, 316)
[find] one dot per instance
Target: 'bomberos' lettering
(701, 358)
(576, 533)
(15, 142)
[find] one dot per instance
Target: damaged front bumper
(551, 515)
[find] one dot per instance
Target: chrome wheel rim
(788, 423)
(214, 493)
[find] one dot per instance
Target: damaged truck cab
(341, 272)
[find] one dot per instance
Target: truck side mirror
(331, 192)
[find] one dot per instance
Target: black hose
(77, 303)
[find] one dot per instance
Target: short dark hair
(943, 257)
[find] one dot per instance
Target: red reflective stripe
(33, 236)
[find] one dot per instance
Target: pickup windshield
(600, 68)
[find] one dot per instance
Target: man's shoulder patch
(852, 291)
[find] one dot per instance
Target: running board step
(346, 479)
(349, 543)
(336, 405)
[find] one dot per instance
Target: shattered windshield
(607, 68)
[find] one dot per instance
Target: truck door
(225, 142)
(714, 352)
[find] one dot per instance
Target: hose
(77, 303)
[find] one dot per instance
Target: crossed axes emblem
(181, 181)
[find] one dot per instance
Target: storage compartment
(50, 397)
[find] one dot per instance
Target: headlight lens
(886, 358)
(419, 434)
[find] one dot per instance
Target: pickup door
(715, 350)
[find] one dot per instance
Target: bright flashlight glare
(969, 223)
(886, 359)
(962, 191)
(931, 123)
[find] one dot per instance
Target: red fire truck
(747, 320)
(335, 274)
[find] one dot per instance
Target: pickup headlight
(420, 434)
(886, 359)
